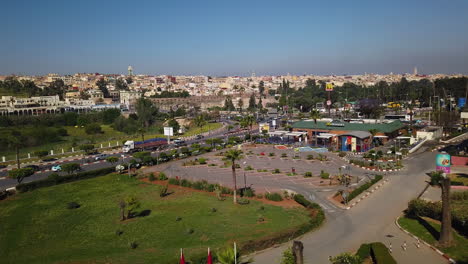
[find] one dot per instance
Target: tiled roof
(381, 127)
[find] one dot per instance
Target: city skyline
(214, 39)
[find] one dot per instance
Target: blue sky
(234, 37)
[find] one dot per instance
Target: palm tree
(233, 155)
(411, 113)
(373, 132)
(315, 114)
(227, 256)
(441, 179)
(248, 121)
(16, 140)
(142, 132)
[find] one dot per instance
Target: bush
(202, 161)
(25, 187)
(458, 196)
(243, 201)
(310, 157)
(276, 171)
(364, 187)
(364, 251)
(324, 175)
(380, 254)
(342, 154)
(259, 196)
(73, 205)
(274, 197)
(174, 181)
(284, 155)
(248, 168)
(456, 183)
(162, 176)
(249, 192)
(190, 231)
(163, 191)
(214, 210)
(271, 154)
(185, 183)
(300, 199)
(307, 174)
(133, 245)
(151, 177)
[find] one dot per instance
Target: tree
(146, 111)
(16, 140)
(132, 205)
(240, 104)
(142, 132)
(346, 258)
(261, 87)
(252, 103)
(174, 124)
(41, 153)
(248, 121)
(122, 206)
(228, 105)
(87, 148)
(20, 174)
(129, 80)
(260, 103)
(234, 155)
(199, 120)
(70, 167)
(121, 85)
(102, 85)
(93, 129)
(112, 159)
(373, 132)
(441, 179)
(141, 155)
(315, 114)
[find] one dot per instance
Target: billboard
(264, 126)
(329, 87)
(443, 163)
(461, 102)
(168, 131)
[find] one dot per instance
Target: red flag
(182, 260)
(210, 259)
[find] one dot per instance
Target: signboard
(264, 126)
(168, 131)
(328, 102)
(461, 102)
(329, 87)
(443, 163)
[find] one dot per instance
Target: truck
(154, 143)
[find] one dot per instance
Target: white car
(100, 157)
(56, 168)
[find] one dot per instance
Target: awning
(357, 134)
(402, 137)
(381, 136)
(326, 135)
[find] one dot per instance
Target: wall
(459, 161)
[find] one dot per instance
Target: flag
(182, 260)
(209, 260)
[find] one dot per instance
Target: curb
(424, 242)
(367, 193)
(365, 168)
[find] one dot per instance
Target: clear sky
(234, 37)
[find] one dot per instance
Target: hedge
(364, 187)
(422, 208)
(200, 185)
(26, 187)
(364, 251)
(380, 254)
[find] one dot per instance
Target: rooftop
(345, 126)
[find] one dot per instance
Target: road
(89, 163)
(369, 221)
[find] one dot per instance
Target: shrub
(271, 154)
(151, 177)
(458, 196)
(380, 254)
(364, 187)
(284, 155)
(118, 232)
(133, 245)
(342, 154)
(162, 176)
(274, 197)
(243, 201)
(185, 183)
(288, 257)
(174, 181)
(249, 192)
(324, 175)
(259, 196)
(25, 187)
(300, 199)
(202, 161)
(364, 251)
(276, 171)
(163, 191)
(456, 183)
(248, 168)
(178, 219)
(73, 205)
(214, 210)
(307, 174)
(310, 157)
(190, 231)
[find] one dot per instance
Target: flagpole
(235, 253)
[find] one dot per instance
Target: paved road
(369, 221)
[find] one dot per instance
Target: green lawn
(78, 135)
(428, 230)
(36, 227)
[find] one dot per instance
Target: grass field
(36, 227)
(428, 230)
(78, 135)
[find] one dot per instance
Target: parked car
(199, 137)
(56, 168)
(34, 167)
(2, 166)
(101, 157)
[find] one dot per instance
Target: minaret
(415, 71)
(130, 71)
